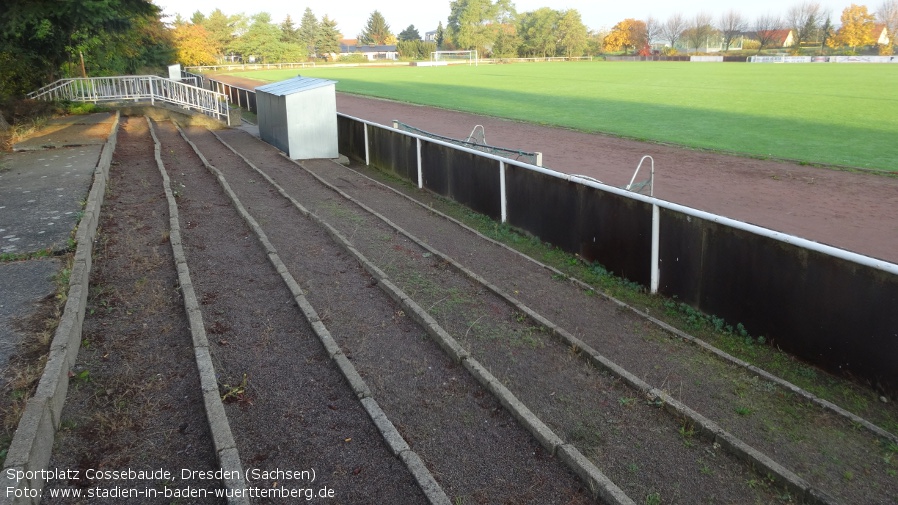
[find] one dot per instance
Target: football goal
(469, 57)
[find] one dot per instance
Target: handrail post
(420, 166)
(367, 155)
(503, 196)
(655, 279)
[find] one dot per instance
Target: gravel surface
(134, 397)
(473, 447)
(288, 405)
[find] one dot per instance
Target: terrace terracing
(404, 358)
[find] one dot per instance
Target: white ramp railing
(136, 87)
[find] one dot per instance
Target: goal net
(469, 57)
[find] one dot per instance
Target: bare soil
(472, 445)
(134, 398)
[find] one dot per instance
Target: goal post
(468, 56)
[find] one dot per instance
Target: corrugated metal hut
(299, 117)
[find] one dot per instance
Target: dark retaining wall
(832, 312)
(467, 178)
(599, 226)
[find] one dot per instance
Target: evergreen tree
(441, 35)
(308, 31)
(328, 41)
(289, 33)
(377, 31)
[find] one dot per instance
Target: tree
(805, 20)
(410, 33)
(440, 36)
(44, 34)
(887, 15)
(507, 43)
(377, 31)
(653, 29)
(197, 18)
(538, 32)
(261, 40)
(328, 41)
(765, 30)
(221, 30)
(731, 25)
(308, 31)
(470, 22)
(699, 31)
(594, 42)
(629, 33)
(193, 45)
(415, 49)
(289, 32)
(673, 29)
(572, 33)
(856, 29)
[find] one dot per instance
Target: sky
(351, 15)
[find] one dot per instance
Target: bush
(353, 58)
(750, 44)
(668, 51)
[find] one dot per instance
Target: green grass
(835, 114)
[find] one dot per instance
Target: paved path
(42, 187)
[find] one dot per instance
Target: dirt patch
(474, 448)
(288, 405)
(134, 397)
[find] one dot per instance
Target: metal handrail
(136, 87)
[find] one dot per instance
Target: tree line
(42, 40)
(808, 24)
(218, 37)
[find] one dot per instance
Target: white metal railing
(136, 87)
(231, 67)
(657, 204)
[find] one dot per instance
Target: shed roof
(294, 85)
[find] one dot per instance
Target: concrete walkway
(43, 185)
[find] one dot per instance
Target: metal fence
(237, 96)
(234, 67)
(136, 88)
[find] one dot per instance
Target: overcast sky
(351, 15)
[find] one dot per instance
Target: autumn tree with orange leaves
(193, 45)
(857, 28)
(629, 33)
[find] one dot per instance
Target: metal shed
(299, 117)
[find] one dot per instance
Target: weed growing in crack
(705, 468)
(236, 392)
(653, 499)
(687, 432)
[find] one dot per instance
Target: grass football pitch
(834, 114)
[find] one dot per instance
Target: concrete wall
(824, 307)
